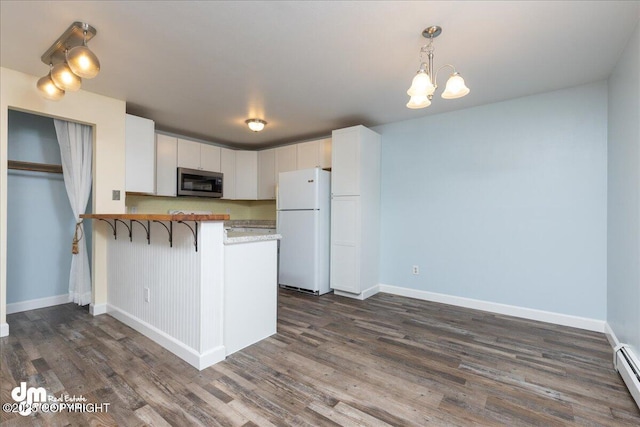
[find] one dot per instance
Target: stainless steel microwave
(199, 183)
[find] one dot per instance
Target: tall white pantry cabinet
(355, 212)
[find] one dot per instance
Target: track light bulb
(64, 78)
(48, 89)
(83, 62)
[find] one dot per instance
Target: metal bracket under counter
(160, 219)
(147, 229)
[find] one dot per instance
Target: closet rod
(34, 167)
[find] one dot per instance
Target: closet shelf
(34, 167)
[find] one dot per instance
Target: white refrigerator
(303, 205)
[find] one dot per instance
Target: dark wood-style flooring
(388, 360)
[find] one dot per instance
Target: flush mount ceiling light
(70, 60)
(424, 83)
(256, 125)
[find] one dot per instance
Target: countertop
(232, 237)
(250, 223)
(159, 217)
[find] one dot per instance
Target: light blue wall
(623, 314)
(503, 203)
(40, 222)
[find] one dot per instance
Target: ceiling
(200, 69)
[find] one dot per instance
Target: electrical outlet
(115, 195)
(415, 270)
(146, 295)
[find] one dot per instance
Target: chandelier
(424, 83)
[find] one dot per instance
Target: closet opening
(40, 221)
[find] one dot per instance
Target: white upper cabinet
(346, 166)
(210, 157)
(140, 155)
(267, 174)
(308, 154)
(286, 159)
(188, 154)
(166, 165)
(195, 155)
(246, 175)
(314, 154)
(228, 169)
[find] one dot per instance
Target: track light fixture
(424, 83)
(70, 60)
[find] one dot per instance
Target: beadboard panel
(183, 290)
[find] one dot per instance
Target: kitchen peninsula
(182, 282)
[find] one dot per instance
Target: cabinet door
(140, 146)
(228, 168)
(188, 154)
(166, 165)
(308, 154)
(246, 175)
(345, 244)
(209, 157)
(267, 174)
(345, 163)
(286, 159)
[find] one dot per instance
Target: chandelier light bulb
(256, 125)
(418, 101)
(64, 78)
(421, 85)
(455, 87)
(48, 89)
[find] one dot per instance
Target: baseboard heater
(627, 364)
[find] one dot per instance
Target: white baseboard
(34, 304)
(493, 307)
(362, 295)
(4, 330)
(97, 309)
(611, 336)
(197, 360)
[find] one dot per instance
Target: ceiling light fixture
(70, 60)
(424, 83)
(256, 125)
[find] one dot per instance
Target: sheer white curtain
(76, 145)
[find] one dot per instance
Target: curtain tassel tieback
(76, 239)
